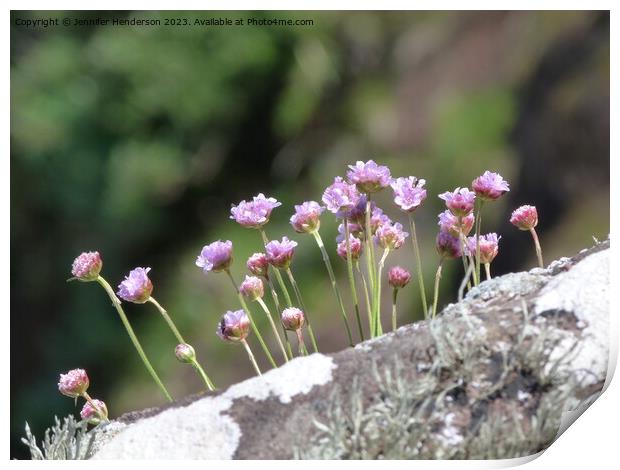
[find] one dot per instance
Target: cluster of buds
(75, 384)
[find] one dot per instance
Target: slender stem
(394, 295)
(370, 261)
(487, 268)
(251, 356)
(352, 280)
(132, 336)
(537, 246)
(287, 297)
(378, 326)
(303, 351)
(416, 248)
(180, 339)
(436, 292)
(276, 302)
(100, 412)
(478, 225)
(273, 327)
(368, 307)
(332, 278)
(463, 255)
(252, 322)
(303, 307)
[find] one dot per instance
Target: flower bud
(448, 246)
(87, 266)
(234, 326)
(252, 288)
(94, 415)
(306, 217)
(524, 217)
(398, 277)
(292, 318)
(136, 287)
(185, 353)
(355, 245)
(74, 383)
(490, 186)
(258, 265)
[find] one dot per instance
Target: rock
(492, 377)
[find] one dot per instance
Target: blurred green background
(134, 141)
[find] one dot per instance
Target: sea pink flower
(398, 277)
(215, 257)
(252, 287)
(450, 223)
(87, 266)
(378, 219)
(460, 201)
(488, 247)
(91, 414)
(185, 353)
(74, 383)
(490, 186)
(255, 213)
(391, 236)
(409, 193)
(258, 265)
(136, 287)
(234, 326)
(280, 253)
(292, 318)
(306, 217)
(448, 246)
(340, 197)
(369, 177)
(524, 217)
(355, 245)
(354, 229)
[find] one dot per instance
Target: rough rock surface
(491, 377)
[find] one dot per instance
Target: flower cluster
(75, 384)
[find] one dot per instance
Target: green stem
(378, 326)
(252, 322)
(370, 261)
(251, 356)
(367, 296)
(134, 339)
(416, 248)
(203, 375)
(487, 268)
(332, 278)
(394, 295)
(276, 302)
(537, 246)
(303, 307)
(303, 351)
(352, 280)
(478, 225)
(463, 255)
(436, 291)
(273, 327)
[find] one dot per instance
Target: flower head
(258, 265)
(292, 318)
(234, 326)
(488, 247)
(185, 353)
(94, 415)
(369, 177)
(490, 186)
(280, 253)
(354, 229)
(355, 245)
(136, 287)
(448, 246)
(252, 287)
(87, 266)
(391, 236)
(398, 277)
(306, 217)
(378, 219)
(255, 213)
(340, 197)
(450, 223)
(215, 257)
(409, 193)
(357, 214)
(74, 383)
(524, 217)
(460, 201)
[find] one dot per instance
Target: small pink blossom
(136, 287)
(92, 414)
(252, 287)
(292, 318)
(280, 253)
(398, 277)
(234, 326)
(524, 217)
(391, 236)
(409, 193)
(87, 266)
(254, 213)
(450, 223)
(258, 265)
(490, 186)
(369, 177)
(74, 383)
(306, 218)
(355, 246)
(488, 244)
(460, 201)
(448, 246)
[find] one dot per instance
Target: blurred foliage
(134, 141)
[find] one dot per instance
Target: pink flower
(354, 229)
(252, 288)
(280, 253)
(524, 217)
(378, 219)
(234, 326)
(340, 197)
(74, 383)
(92, 414)
(255, 213)
(355, 245)
(216, 256)
(489, 186)
(292, 318)
(306, 217)
(409, 193)
(258, 265)
(369, 177)
(87, 266)
(398, 277)
(488, 247)
(391, 236)
(136, 287)
(450, 223)
(448, 246)
(460, 201)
